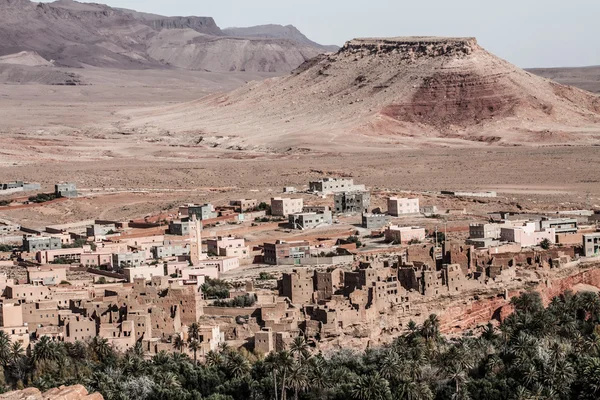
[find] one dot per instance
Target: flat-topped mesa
(412, 46)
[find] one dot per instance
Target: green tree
(545, 244)
(371, 387)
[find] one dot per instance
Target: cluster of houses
(144, 281)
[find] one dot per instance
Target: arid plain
(73, 131)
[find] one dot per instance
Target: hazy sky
(529, 33)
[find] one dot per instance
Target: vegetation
(536, 353)
(545, 244)
(215, 289)
(65, 283)
(239, 301)
(42, 197)
(5, 202)
(61, 260)
(441, 237)
(6, 247)
(101, 281)
(354, 239)
(263, 207)
(414, 241)
(77, 243)
(265, 276)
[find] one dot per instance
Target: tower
(195, 240)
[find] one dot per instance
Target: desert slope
(404, 92)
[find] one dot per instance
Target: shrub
(265, 276)
(239, 301)
(6, 247)
(215, 289)
(545, 244)
(42, 197)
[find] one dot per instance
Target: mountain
(382, 92)
(288, 32)
(77, 34)
(586, 78)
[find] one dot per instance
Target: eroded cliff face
(410, 48)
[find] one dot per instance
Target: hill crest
(380, 92)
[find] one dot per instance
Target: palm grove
(536, 353)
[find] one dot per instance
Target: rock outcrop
(76, 392)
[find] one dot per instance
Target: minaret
(195, 240)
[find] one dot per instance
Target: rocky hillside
(407, 92)
(75, 34)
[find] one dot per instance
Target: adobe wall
(230, 311)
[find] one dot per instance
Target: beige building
(79, 328)
(297, 286)
(243, 205)
(40, 313)
(27, 293)
(399, 206)
(284, 206)
(144, 271)
(46, 275)
(11, 322)
(404, 234)
(228, 246)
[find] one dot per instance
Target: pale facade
(399, 206)
(404, 234)
(284, 206)
(526, 235)
(46, 276)
(228, 246)
(144, 271)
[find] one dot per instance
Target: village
(335, 262)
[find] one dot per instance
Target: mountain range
(74, 34)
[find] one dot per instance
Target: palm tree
(285, 363)
(16, 352)
(299, 347)
(45, 350)
(272, 364)
(371, 387)
(101, 347)
(224, 347)
(297, 379)
(194, 346)
(194, 331)
(318, 378)
(213, 359)
(237, 365)
(168, 380)
(4, 348)
(431, 328)
(391, 365)
(178, 343)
